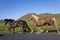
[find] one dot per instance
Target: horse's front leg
(14, 30)
(9, 28)
(33, 28)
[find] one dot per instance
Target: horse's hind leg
(27, 27)
(24, 29)
(56, 27)
(48, 28)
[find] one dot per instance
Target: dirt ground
(28, 36)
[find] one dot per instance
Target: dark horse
(19, 23)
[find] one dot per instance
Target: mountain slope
(25, 17)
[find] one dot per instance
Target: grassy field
(4, 28)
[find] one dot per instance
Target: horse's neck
(36, 18)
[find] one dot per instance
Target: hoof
(32, 31)
(46, 32)
(58, 32)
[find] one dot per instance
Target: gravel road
(28, 36)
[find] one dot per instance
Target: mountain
(25, 17)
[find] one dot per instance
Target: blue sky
(16, 8)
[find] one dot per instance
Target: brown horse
(43, 21)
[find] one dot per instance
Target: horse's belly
(41, 22)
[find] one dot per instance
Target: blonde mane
(35, 17)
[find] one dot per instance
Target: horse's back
(22, 22)
(47, 19)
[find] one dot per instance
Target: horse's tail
(56, 24)
(27, 26)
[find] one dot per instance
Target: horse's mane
(9, 20)
(34, 16)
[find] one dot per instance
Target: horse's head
(32, 17)
(8, 20)
(5, 21)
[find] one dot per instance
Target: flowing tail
(56, 25)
